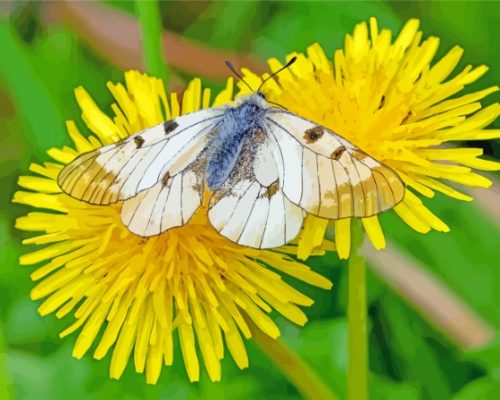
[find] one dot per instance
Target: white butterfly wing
(168, 204)
(250, 209)
(325, 174)
(121, 170)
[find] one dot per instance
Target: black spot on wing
(313, 134)
(337, 153)
(170, 126)
(139, 141)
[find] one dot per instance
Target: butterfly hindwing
(325, 174)
(121, 170)
(250, 209)
(167, 204)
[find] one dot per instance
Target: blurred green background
(432, 338)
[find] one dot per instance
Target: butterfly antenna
(277, 104)
(233, 70)
(293, 59)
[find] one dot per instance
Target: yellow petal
(311, 236)
(343, 237)
(82, 144)
(96, 120)
(374, 232)
(409, 217)
(37, 184)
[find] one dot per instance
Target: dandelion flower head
(128, 294)
(391, 100)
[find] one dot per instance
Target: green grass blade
(151, 29)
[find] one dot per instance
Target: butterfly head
(257, 98)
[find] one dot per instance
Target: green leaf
(323, 344)
(487, 356)
(479, 389)
(464, 259)
(31, 97)
(6, 389)
(53, 377)
(234, 22)
(300, 24)
(414, 359)
(25, 326)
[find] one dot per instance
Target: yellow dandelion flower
(128, 294)
(390, 100)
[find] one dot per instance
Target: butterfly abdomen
(224, 149)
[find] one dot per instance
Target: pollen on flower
(127, 294)
(395, 103)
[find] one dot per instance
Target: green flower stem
(151, 29)
(303, 377)
(357, 380)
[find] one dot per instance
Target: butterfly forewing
(119, 171)
(325, 174)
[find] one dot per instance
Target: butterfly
(265, 167)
